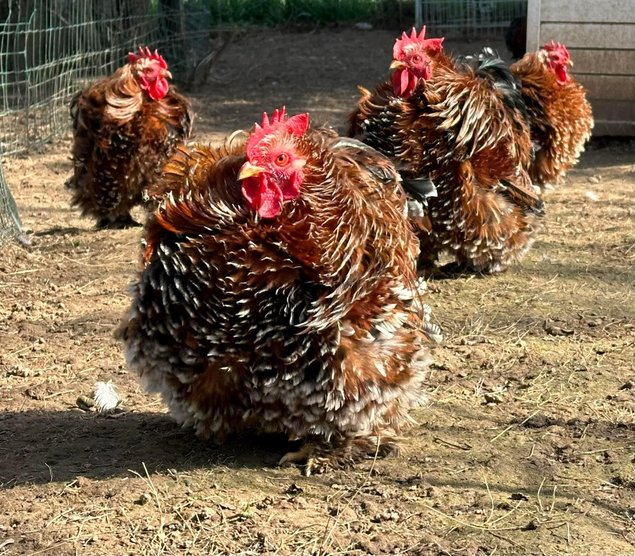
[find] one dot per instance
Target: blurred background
(51, 48)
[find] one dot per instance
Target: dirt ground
(527, 446)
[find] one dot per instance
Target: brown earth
(527, 446)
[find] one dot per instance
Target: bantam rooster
(461, 124)
(125, 127)
(560, 116)
(279, 294)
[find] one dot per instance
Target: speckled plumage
(464, 128)
(122, 138)
(560, 118)
(309, 324)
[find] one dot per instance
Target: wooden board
(533, 25)
(616, 62)
(613, 110)
(614, 127)
(608, 87)
(600, 35)
(613, 117)
(596, 11)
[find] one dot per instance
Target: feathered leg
(117, 222)
(319, 456)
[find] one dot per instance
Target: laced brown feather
(121, 140)
(457, 131)
(560, 118)
(310, 323)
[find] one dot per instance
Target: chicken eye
(416, 59)
(282, 159)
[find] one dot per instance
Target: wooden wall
(600, 35)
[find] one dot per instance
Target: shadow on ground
(57, 446)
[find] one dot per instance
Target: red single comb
(295, 126)
(431, 45)
(559, 48)
(279, 114)
(146, 53)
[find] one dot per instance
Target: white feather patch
(106, 397)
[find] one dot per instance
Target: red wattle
(159, 89)
(403, 82)
(263, 195)
(561, 75)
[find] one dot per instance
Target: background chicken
(516, 37)
(460, 123)
(559, 113)
(290, 304)
(125, 126)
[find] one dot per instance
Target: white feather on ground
(106, 397)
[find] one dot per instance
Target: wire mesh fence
(51, 48)
(486, 19)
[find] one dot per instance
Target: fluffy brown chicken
(125, 127)
(560, 116)
(460, 123)
(279, 294)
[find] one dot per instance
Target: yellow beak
(248, 170)
(167, 74)
(397, 64)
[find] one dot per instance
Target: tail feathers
(489, 65)
(538, 208)
(433, 332)
(526, 195)
(420, 188)
(374, 161)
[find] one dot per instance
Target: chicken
(279, 294)
(560, 116)
(125, 127)
(516, 37)
(461, 124)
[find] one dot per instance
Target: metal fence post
(10, 223)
